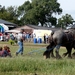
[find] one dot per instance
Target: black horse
(59, 38)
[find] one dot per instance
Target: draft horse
(65, 38)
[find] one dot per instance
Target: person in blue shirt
(20, 50)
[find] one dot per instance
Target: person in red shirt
(1, 52)
(8, 50)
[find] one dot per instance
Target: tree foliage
(39, 11)
(13, 16)
(65, 20)
(34, 12)
(9, 14)
(3, 12)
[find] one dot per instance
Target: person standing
(20, 35)
(20, 50)
(20, 43)
(44, 38)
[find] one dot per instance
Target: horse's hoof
(70, 57)
(73, 55)
(64, 55)
(46, 57)
(59, 57)
(53, 56)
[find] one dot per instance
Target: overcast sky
(66, 5)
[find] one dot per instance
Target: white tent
(12, 31)
(41, 33)
(4, 26)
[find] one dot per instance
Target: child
(8, 50)
(5, 53)
(1, 52)
(0, 48)
(20, 50)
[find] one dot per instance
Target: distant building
(40, 31)
(6, 24)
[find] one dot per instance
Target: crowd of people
(27, 37)
(14, 36)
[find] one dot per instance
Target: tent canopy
(1, 29)
(12, 31)
(4, 26)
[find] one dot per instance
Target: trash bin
(35, 40)
(39, 40)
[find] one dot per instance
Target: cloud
(8, 3)
(67, 7)
(67, 4)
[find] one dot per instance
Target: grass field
(33, 63)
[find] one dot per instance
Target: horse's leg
(69, 54)
(52, 54)
(46, 54)
(48, 51)
(69, 50)
(57, 52)
(73, 55)
(65, 54)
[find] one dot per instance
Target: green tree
(12, 14)
(65, 20)
(9, 14)
(39, 11)
(3, 12)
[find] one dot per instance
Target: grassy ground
(33, 63)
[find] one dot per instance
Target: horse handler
(20, 50)
(20, 43)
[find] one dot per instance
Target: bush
(11, 41)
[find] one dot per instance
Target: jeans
(20, 50)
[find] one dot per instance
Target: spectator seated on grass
(4, 52)
(8, 50)
(0, 48)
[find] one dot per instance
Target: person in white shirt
(20, 43)
(20, 35)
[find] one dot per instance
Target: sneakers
(21, 53)
(16, 53)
